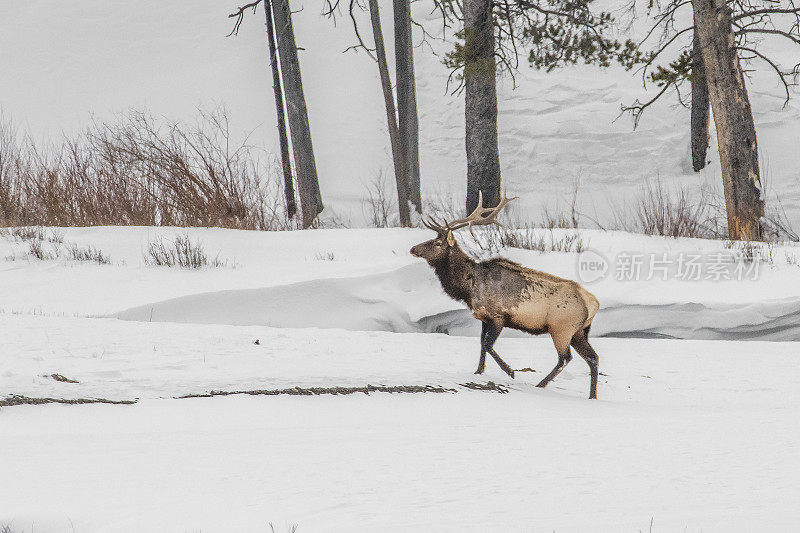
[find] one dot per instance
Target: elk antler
(435, 225)
(482, 215)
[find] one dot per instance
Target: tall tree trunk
(700, 108)
(307, 181)
(483, 156)
(288, 183)
(733, 118)
(407, 98)
(400, 174)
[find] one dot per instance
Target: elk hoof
(479, 371)
(510, 373)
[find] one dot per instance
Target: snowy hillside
(98, 57)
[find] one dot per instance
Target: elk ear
(451, 240)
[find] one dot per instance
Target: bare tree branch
(775, 67)
(637, 108)
(239, 15)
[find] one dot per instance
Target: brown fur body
(501, 293)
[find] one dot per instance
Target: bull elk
(503, 294)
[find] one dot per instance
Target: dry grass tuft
(328, 256)
(88, 253)
(527, 237)
(36, 249)
(49, 245)
(379, 209)
(751, 252)
(180, 252)
(290, 529)
(658, 210)
(514, 233)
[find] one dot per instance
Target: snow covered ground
(697, 435)
(529, 461)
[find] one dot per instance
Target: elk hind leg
(493, 330)
(580, 341)
(564, 357)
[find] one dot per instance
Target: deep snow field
(697, 435)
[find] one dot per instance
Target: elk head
(438, 249)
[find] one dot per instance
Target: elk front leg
(482, 360)
(492, 332)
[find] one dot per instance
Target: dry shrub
(443, 205)
(377, 204)
(552, 219)
(515, 233)
(660, 213)
(750, 252)
(327, 256)
(36, 249)
(140, 170)
(38, 240)
(527, 237)
(10, 163)
(181, 252)
(29, 233)
(657, 210)
(776, 223)
(88, 253)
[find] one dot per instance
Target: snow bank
(409, 300)
(365, 280)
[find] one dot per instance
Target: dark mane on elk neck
(456, 273)
(501, 293)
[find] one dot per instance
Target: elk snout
(415, 251)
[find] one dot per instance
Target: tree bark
(307, 180)
(400, 173)
(408, 121)
(733, 118)
(700, 108)
(288, 183)
(480, 83)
